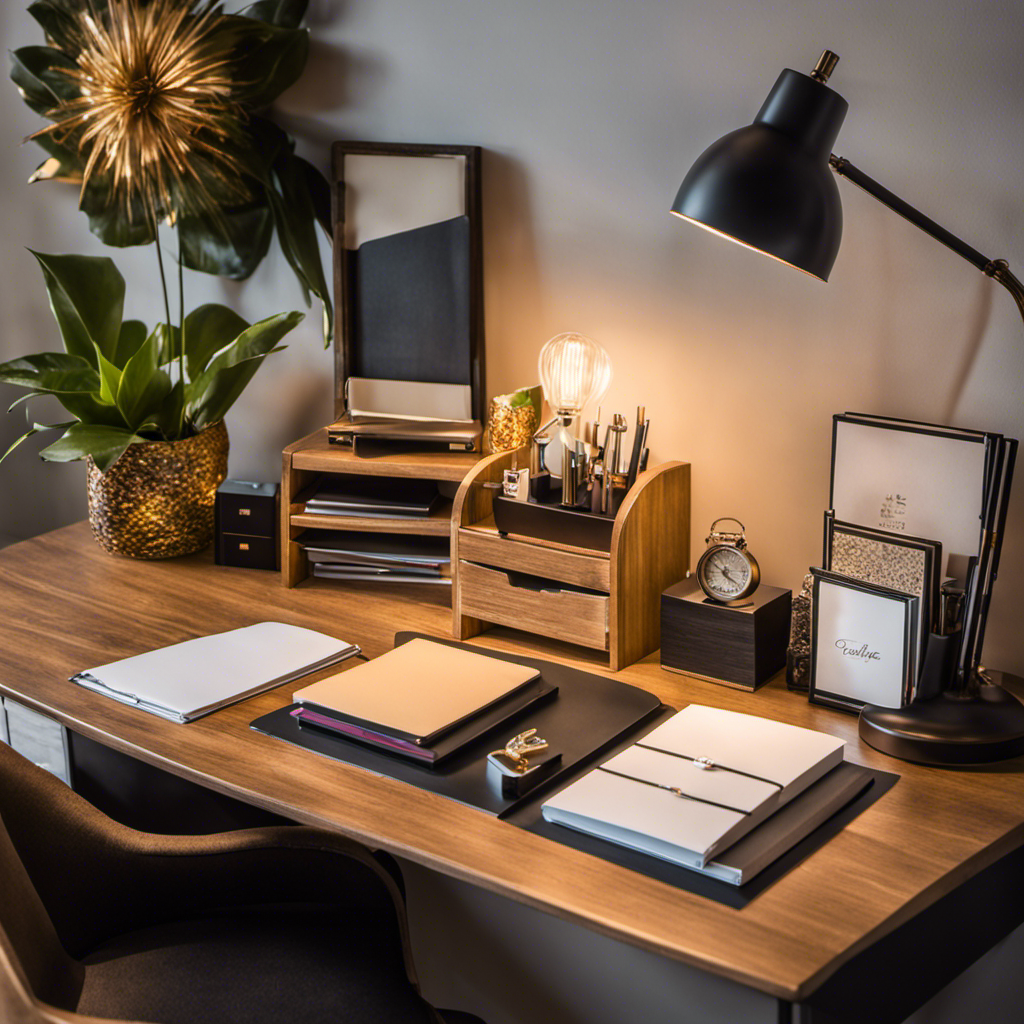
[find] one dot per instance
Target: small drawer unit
(247, 517)
(535, 603)
(606, 600)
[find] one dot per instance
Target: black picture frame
(346, 354)
(903, 605)
(930, 549)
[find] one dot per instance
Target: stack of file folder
(385, 558)
(386, 497)
(423, 701)
(714, 791)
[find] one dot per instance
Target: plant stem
(163, 279)
(181, 331)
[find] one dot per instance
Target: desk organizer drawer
(556, 562)
(534, 604)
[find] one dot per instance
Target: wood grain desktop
(68, 605)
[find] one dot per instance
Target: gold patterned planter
(156, 501)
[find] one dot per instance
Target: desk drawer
(523, 602)
(557, 562)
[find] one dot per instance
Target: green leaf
(285, 13)
(319, 190)
(110, 379)
(21, 400)
(42, 86)
(89, 409)
(168, 342)
(104, 444)
(168, 417)
(37, 428)
(233, 248)
(268, 59)
(208, 329)
(143, 386)
(57, 21)
(132, 337)
(50, 372)
(109, 221)
(294, 218)
(87, 299)
(210, 396)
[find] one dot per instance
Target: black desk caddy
(549, 520)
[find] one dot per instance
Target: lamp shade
(768, 186)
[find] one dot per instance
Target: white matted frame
(864, 644)
(911, 479)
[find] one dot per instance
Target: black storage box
(247, 516)
(742, 644)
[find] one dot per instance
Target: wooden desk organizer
(312, 459)
(616, 600)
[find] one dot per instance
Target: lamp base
(947, 730)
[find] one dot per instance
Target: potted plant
(148, 406)
(156, 116)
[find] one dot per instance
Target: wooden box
(606, 600)
(742, 644)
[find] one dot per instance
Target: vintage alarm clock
(727, 571)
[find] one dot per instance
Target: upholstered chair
(273, 925)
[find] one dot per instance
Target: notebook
(526, 698)
(417, 692)
(191, 679)
(657, 796)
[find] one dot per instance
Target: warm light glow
(746, 245)
(574, 371)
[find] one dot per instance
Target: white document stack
(692, 788)
(198, 676)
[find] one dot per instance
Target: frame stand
(984, 726)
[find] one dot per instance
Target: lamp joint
(826, 65)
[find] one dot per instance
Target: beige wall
(590, 112)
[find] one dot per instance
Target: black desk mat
(527, 816)
(589, 714)
(591, 719)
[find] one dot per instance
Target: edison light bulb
(574, 371)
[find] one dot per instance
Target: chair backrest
(52, 975)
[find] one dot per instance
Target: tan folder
(418, 691)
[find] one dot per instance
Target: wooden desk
(67, 605)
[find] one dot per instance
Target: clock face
(724, 573)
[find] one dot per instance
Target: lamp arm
(996, 269)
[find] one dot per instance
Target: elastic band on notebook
(722, 767)
(672, 789)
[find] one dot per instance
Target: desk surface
(67, 606)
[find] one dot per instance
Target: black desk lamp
(768, 187)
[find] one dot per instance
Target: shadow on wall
(335, 79)
(514, 304)
(36, 497)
